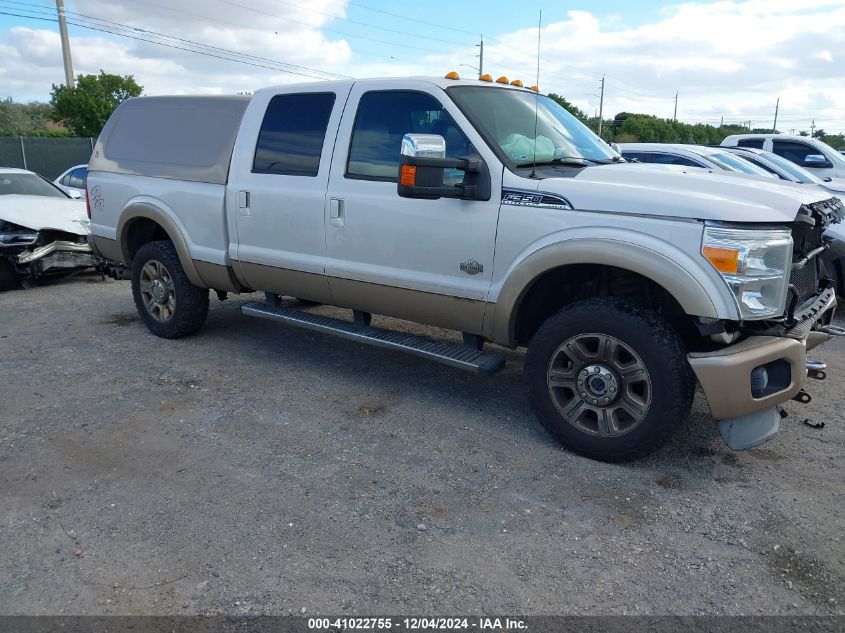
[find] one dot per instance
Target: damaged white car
(43, 232)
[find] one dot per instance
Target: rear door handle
(336, 212)
(243, 203)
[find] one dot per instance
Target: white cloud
(726, 58)
(731, 59)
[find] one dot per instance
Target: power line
(371, 26)
(327, 29)
(404, 17)
(103, 29)
(90, 19)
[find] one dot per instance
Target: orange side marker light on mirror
(408, 176)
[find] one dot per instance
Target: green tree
(26, 119)
(85, 108)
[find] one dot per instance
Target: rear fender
(166, 219)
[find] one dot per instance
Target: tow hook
(803, 397)
(833, 330)
(816, 369)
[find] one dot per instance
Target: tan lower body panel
(292, 283)
(725, 375)
(217, 276)
(464, 315)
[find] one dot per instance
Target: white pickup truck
(484, 208)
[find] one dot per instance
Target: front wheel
(609, 380)
(169, 304)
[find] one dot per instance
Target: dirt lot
(257, 468)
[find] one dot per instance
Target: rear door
(278, 189)
(424, 260)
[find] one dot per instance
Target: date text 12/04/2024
(417, 624)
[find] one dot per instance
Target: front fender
(691, 280)
(157, 212)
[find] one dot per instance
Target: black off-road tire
(661, 351)
(8, 277)
(191, 302)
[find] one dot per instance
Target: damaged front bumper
(745, 382)
(37, 254)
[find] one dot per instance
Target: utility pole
(722, 122)
(675, 116)
(60, 9)
(775, 124)
(601, 104)
(813, 129)
(481, 57)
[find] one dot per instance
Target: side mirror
(422, 163)
(815, 160)
(73, 193)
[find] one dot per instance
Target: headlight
(755, 263)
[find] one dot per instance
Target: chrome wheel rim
(599, 385)
(157, 290)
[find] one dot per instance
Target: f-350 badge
(471, 267)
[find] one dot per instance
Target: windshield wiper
(578, 161)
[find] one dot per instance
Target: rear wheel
(609, 380)
(169, 304)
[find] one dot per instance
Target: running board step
(454, 354)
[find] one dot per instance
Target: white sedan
(43, 231)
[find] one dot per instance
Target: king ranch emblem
(471, 267)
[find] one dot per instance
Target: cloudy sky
(729, 59)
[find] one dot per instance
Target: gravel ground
(258, 468)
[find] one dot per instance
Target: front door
(429, 261)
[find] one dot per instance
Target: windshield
(28, 185)
(733, 163)
(506, 120)
(797, 172)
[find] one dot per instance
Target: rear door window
(292, 134)
(751, 142)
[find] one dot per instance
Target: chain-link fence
(46, 156)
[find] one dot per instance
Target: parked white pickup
(484, 208)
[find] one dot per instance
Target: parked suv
(825, 161)
(488, 209)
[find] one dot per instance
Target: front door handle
(336, 212)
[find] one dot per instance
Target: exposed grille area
(806, 281)
(807, 236)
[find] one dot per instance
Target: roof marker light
(486, 77)
(452, 75)
(517, 83)
(535, 88)
(502, 80)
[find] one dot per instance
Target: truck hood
(40, 212)
(675, 191)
